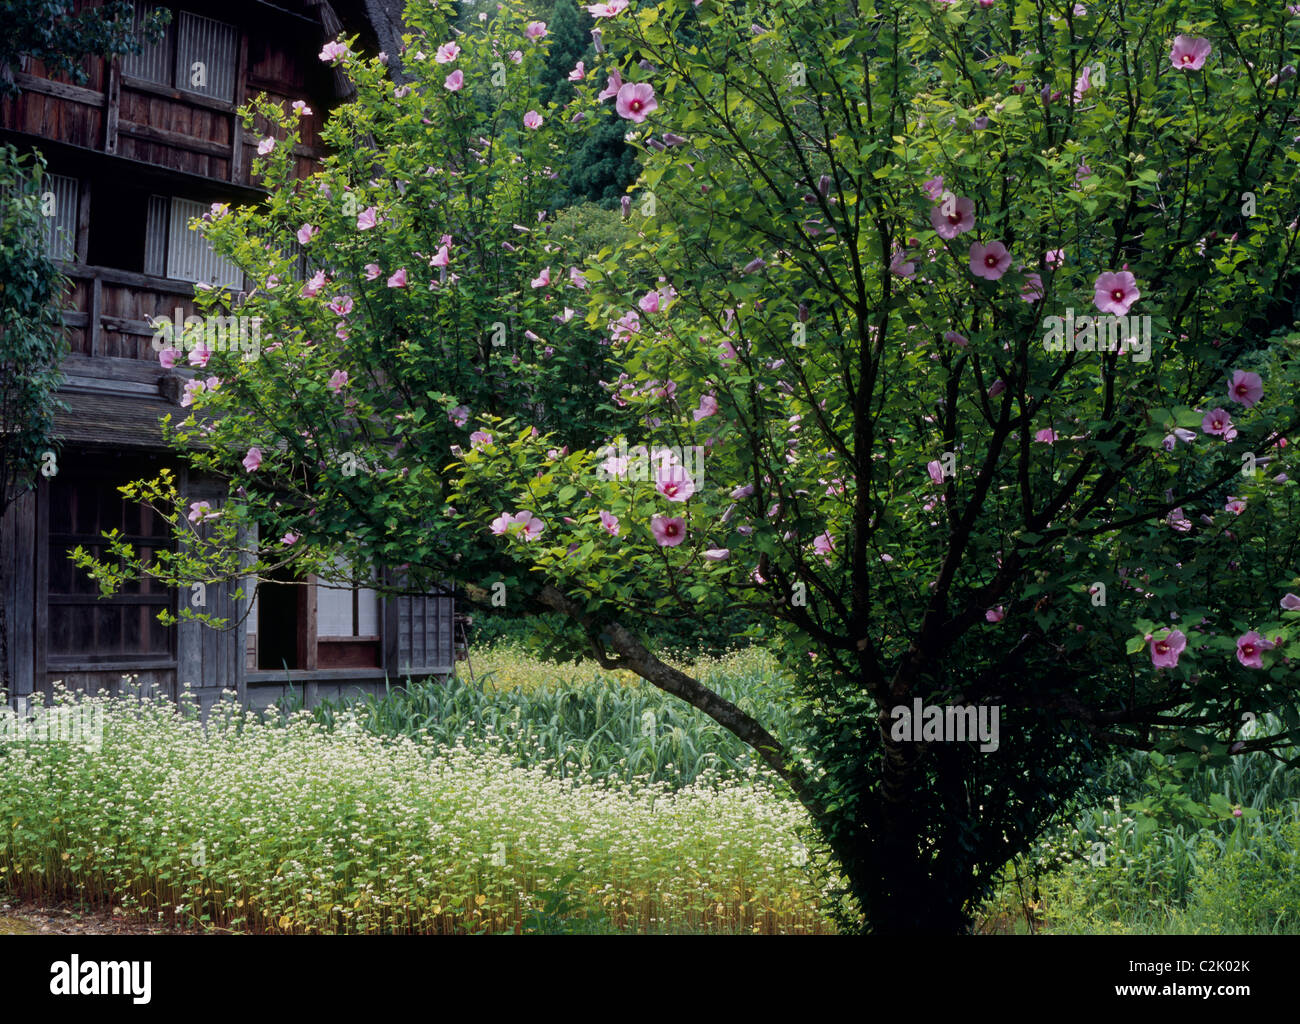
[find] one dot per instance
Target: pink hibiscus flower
(306, 233)
(372, 271)
(447, 53)
(398, 280)
(674, 483)
(1246, 388)
(253, 459)
(333, 51)
(338, 380)
(717, 554)
(1189, 52)
(612, 85)
(610, 522)
(535, 30)
(543, 280)
(1046, 436)
(951, 225)
(1115, 292)
(1216, 421)
(995, 614)
(532, 526)
(607, 10)
(455, 81)
(1032, 289)
(1291, 603)
(167, 357)
(989, 261)
(1250, 649)
(669, 531)
(953, 338)
(636, 101)
(1165, 650)
(367, 218)
(708, 407)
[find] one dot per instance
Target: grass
(296, 828)
(580, 722)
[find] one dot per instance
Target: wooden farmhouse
(134, 153)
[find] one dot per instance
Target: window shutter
(424, 629)
(212, 44)
(189, 255)
(61, 229)
(154, 62)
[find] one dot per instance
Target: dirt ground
(69, 918)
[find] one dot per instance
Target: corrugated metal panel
(61, 226)
(156, 61)
(155, 236)
(189, 256)
(205, 56)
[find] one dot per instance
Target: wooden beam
(113, 99)
(75, 93)
(140, 328)
(193, 99)
(176, 139)
(111, 275)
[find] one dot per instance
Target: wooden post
(113, 101)
(83, 221)
(96, 305)
(236, 125)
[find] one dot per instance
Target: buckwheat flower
(306, 233)
(1216, 421)
(1250, 649)
(961, 219)
(265, 146)
(989, 261)
(338, 380)
(1246, 388)
(1291, 603)
(1115, 292)
(635, 101)
(253, 460)
(669, 531)
(447, 53)
(532, 120)
(372, 271)
(610, 522)
(1166, 649)
(708, 407)
(1189, 52)
(455, 81)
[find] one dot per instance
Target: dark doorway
(278, 617)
